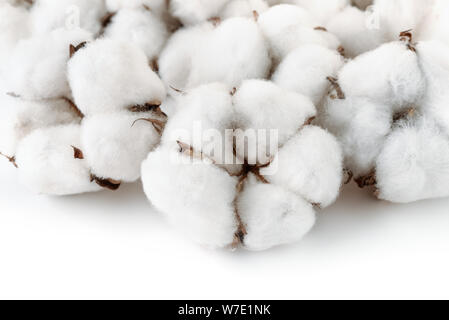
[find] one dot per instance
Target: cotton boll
(288, 27)
(196, 11)
(243, 8)
(435, 65)
(114, 145)
(305, 71)
(187, 60)
(141, 27)
(262, 108)
(38, 66)
(362, 126)
(400, 15)
(310, 165)
(197, 197)
(436, 24)
(350, 27)
(48, 15)
(273, 216)
(413, 164)
(111, 75)
(204, 114)
(47, 164)
(14, 26)
(19, 118)
(389, 74)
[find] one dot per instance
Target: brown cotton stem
(154, 106)
(337, 88)
(106, 183)
(158, 125)
(366, 181)
(74, 107)
(216, 21)
(407, 38)
(73, 49)
(348, 174)
(320, 28)
(408, 113)
(10, 159)
(77, 153)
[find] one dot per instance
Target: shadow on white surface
(114, 245)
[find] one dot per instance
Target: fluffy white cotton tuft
(19, 118)
(196, 11)
(305, 71)
(47, 164)
(287, 27)
(187, 60)
(111, 75)
(141, 27)
(198, 197)
(414, 163)
(48, 15)
(310, 165)
(156, 6)
(114, 145)
(38, 66)
(262, 108)
(244, 8)
(273, 216)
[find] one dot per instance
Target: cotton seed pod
(273, 216)
(185, 62)
(141, 27)
(356, 35)
(243, 8)
(49, 15)
(192, 12)
(306, 172)
(109, 76)
(38, 65)
(305, 70)
(19, 118)
(413, 164)
(114, 145)
(287, 27)
(262, 105)
(197, 197)
(47, 162)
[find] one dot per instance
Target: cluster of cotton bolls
(96, 93)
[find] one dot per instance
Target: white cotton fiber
(19, 118)
(38, 66)
(205, 54)
(201, 121)
(356, 35)
(401, 15)
(110, 75)
(47, 164)
(389, 74)
(141, 27)
(261, 107)
(310, 165)
(322, 10)
(362, 126)
(48, 15)
(244, 8)
(288, 27)
(198, 197)
(273, 216)
(156, 6)
(305, 71)
(436, 24)
(114, 145)
(414, 163)
(14, 26)
(196, 11)
(435, 65)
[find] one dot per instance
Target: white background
(114, 245)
